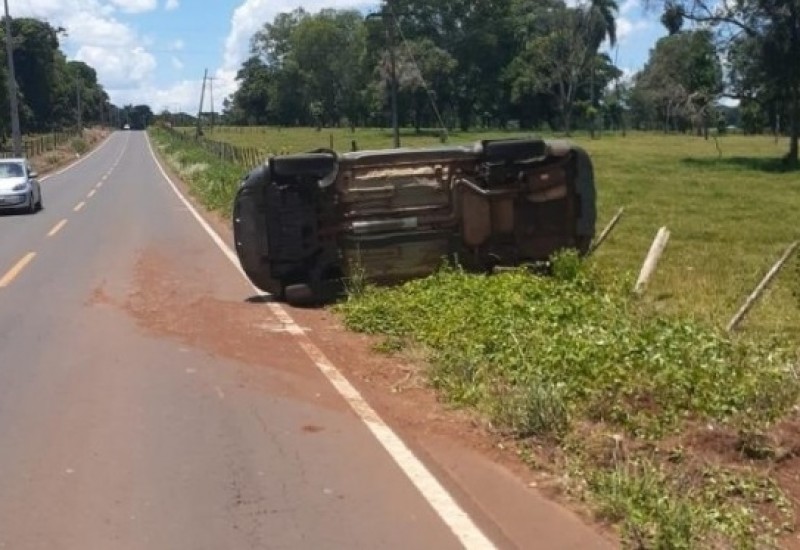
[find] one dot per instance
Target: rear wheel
(299, 295)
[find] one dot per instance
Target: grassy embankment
(644, 407)
(47, 152)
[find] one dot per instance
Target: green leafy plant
(540, 355)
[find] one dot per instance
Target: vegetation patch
(211, 180)
(79, 146)
(573, 361)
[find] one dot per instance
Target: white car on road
(19, 186)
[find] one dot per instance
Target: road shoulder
(508, 500)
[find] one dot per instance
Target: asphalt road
(131, 414)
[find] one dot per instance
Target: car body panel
(392, 215)
(19, 192)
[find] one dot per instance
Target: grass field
(730, 215)
(669, 428)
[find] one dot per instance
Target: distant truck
(304, 223)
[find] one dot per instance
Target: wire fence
(34, 146)
(246, 157)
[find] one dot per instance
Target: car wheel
(31, 204)
(299, 294)
(40, 204)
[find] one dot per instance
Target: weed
(535, 410)
(539, 354)
(79, 146)
(211, 180)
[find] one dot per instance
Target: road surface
(145, 403)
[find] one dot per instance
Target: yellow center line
(91, 193)
(14, 271)
(79, 206)
(58, 227)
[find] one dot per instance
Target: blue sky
(155, 51)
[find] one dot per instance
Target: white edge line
(462, 526)
(80, 160)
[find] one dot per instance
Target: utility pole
(80, 107)
(200, 111)
(211, 80)
(390, 20)
(16, 134)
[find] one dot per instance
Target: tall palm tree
(601, 24)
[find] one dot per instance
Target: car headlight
(20, 187)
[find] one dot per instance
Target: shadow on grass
(758, 164)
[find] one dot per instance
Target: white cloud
(135, 6)
(176, 63)
(182, 96)
(626, 27)
(172, 5)
(119, 68)
(177, 45)
(96, 35)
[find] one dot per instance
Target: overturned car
(304, 223)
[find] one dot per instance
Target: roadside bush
(79, 146)
(212, 181)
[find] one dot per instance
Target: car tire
(31, 209)
(299, 294)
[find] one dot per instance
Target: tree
(250, 102)
(769, 32)
(459, 62)
(35, 53)
(48, 83)
(558, 62)
(601, 25)
(680, 82)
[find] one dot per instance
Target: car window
(11, 170)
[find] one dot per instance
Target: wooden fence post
(606, 232)
(734, 322)
(650, 263)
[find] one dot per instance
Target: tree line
(52, 91)
(525, 63)
(459, 64)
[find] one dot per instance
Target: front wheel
(31, 204)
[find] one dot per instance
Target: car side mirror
(33, 174)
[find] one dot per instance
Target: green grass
(573, 359)
(212, 181)
(609, 385)
(297, 140)
(730, 217)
